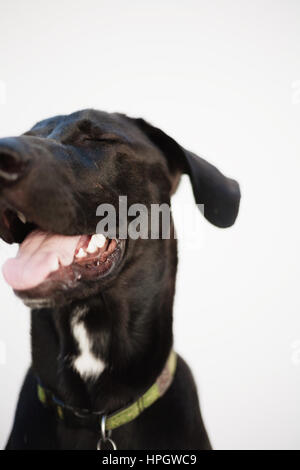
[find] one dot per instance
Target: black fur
(63, 169)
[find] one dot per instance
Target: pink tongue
(40, 254)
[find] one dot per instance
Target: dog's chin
(84, 277)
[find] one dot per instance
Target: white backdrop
(223, 78)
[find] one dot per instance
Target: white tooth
(21, 217)
(55, 265)
(99, 240)
(81, 253)
(92, 247)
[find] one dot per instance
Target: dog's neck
(105, 351)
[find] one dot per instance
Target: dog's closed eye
(92, 137)
(106, 138)
(90, 132)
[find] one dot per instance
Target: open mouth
(45, 257)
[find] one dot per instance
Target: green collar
(87, 418)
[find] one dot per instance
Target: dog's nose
(11, 161)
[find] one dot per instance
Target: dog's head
(54, 177)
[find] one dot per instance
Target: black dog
(101, 317)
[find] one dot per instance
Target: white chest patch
(86, 363)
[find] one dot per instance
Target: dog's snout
(11, 161)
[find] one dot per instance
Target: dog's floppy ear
(219, 195)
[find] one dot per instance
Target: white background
(223, 78)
